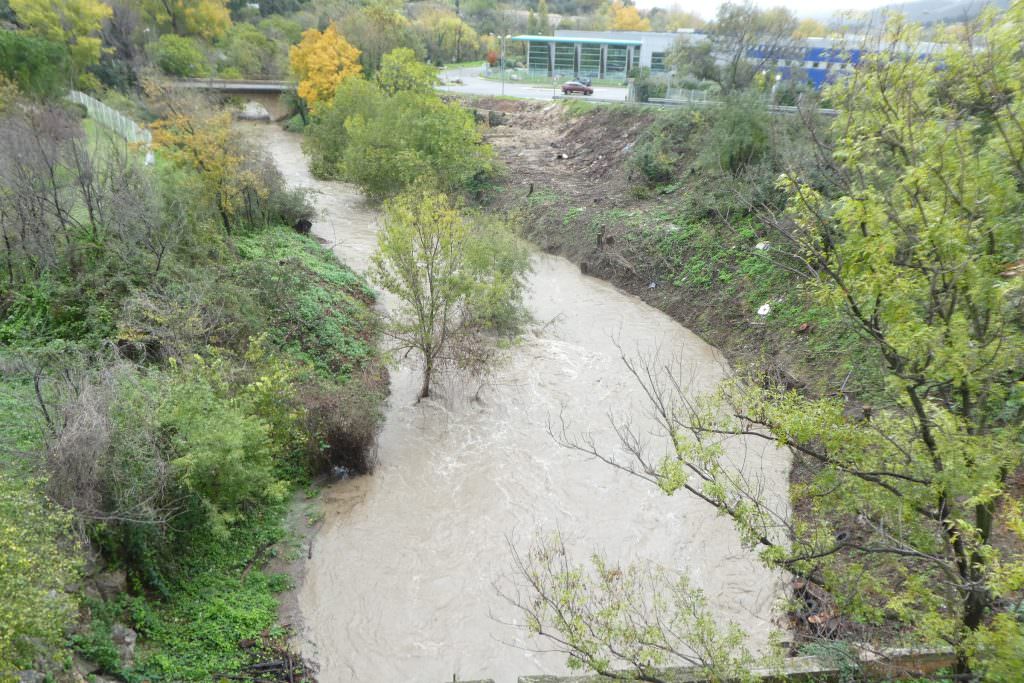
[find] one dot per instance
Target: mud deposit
(400, 585)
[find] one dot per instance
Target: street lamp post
(503, 39)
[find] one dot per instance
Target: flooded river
(400, 586)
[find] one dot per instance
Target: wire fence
(112, 119)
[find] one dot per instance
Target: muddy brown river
(400, 585)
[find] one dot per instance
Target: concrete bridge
(266, 93)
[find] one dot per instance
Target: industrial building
(612, 54)
(598, 54)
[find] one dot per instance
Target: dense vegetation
(176, 360)
(384, 134)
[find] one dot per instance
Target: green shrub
(662, 145)
(384, 144)
(739, 135)
(295, 125)
(326, 137)
(647, 85)
(414, 137)
(179, 56)
(656, 163)
(248, 52)
(38, 67)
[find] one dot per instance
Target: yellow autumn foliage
(320, 62)
(208, 19)
(627, 18)
(206, 144)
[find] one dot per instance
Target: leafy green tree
(429, 257)
(400, 71)
(37, 66)
(326, 137)
(36, 567)
(446, 36)
(543, 23)
(917, 245)
(179, 56)
(254, 54)
(725, 57)
(281, 29)
(624, 623)
(377, 29)
(207, 19)
(72, 23)
(412, 137)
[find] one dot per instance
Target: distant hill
(934, 11)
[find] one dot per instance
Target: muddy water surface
(400, 586)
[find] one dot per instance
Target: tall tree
(207, 19)
(446, 36)
(73, 23)
(674, 18)
(743, 40)
(377, 29)
(320, 62)
(810, 28)
(543, 23)
(400, 71)
(442, 270)
(38, 67)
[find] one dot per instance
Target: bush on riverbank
(168, 357)
(384, 139)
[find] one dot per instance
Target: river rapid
(400, 585)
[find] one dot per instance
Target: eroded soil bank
(400, 583)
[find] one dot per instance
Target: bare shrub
(108, 461)
(343, 423)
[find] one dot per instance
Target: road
(473, 84)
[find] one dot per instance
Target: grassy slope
(221, 612)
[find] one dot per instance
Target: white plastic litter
(764, 310)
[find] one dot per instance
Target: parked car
(576, 87)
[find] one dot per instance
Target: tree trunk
(428, 370)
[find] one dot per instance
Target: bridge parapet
(266, 93)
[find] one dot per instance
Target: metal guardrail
(775, 108)
(112, 119)
(228, 85)
(665, 102)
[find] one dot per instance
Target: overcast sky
(804, 8)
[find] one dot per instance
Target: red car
(576, 87)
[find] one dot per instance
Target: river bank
(401, 582)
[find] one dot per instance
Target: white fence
(112, 119)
